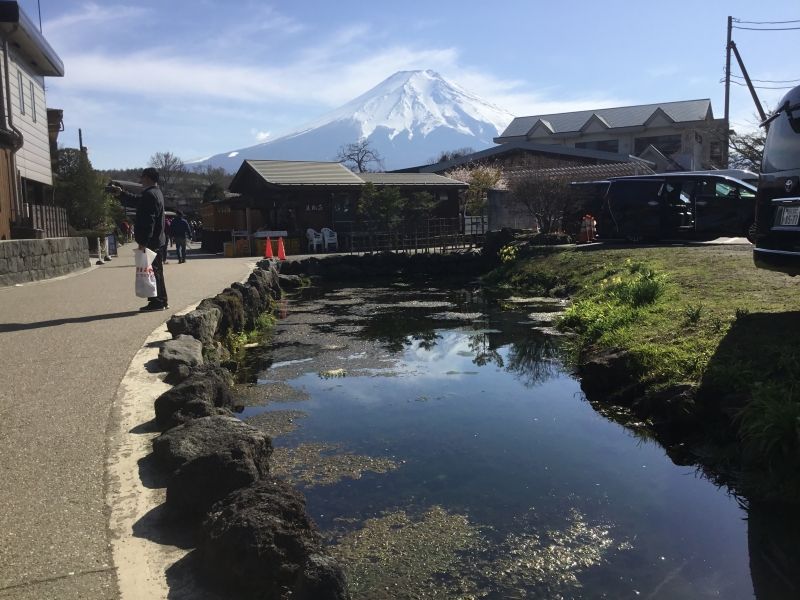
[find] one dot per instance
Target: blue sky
(199, 77)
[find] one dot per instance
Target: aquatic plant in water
(443, 555)
(324, 464)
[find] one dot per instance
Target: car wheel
(636, 238)
(750, 232)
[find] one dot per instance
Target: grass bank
(699, 318)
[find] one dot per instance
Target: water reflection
(456, 458)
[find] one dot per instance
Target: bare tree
(359, 156)
(746, 150)
(546, 197)
(447, 155)
(170, 169)
(214, 181)
(212, 175)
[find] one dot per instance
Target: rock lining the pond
(181, 354)
(203, 393)
(260, 540)
(208, 453)
(209, 458)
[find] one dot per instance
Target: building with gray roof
(685, 133)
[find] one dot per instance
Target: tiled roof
(586, 172)
(284, 172)
(533, 147)
(411, 179)
(306, 173)
(623, 116)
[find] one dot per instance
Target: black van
(777, 243)
(697, 204)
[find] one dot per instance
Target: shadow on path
(8, 327)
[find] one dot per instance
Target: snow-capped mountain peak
(417, 102)
(408, 118)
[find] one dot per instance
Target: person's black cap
(151, 174)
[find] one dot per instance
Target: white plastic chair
(329, 238)
(314, 239)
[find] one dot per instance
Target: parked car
(777, 243)
(696, 204)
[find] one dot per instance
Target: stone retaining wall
(253, 533)
(22, 261)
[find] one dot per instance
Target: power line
(767, 80)
(767, 28)
(760, 87)
(766, 22)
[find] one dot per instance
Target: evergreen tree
(79, 189)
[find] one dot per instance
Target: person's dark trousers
(161, 288)
(180, 249)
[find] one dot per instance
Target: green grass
(702, 315)
(235, 341)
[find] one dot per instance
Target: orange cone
(281, 249)
(268, 249)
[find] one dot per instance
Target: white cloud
(261, 136)
(92, 14)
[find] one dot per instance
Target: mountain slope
(408, 118)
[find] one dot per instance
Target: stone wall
(22, 261)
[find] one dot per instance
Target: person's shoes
(154, 306)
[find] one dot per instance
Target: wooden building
(294, 196)
(26, 175)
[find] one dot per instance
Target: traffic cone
(281, 249)
(268, 249)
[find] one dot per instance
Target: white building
(26, 58)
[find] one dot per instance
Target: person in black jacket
(180, 231)
(149, 231)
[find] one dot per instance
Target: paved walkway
(65, 346)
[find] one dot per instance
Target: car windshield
(782, 148)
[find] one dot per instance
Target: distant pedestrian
(180, 231)
(170, 241)
(149, 230)
(125, 228)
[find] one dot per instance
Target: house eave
(21, 33)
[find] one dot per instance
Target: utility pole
(747, 80)
(728, 72)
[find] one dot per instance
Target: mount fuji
(409, 118)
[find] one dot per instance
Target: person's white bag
(145, 276)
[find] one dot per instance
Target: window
(781, 150)
(666, 144)
(21, 90)
(602, 145)
(33, 102)
(716, 153)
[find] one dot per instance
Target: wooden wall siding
(33, 159)
(6, 194)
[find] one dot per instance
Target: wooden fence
(441, 235)
(52, 220)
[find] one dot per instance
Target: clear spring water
(495, 478)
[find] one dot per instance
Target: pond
(446, 452)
